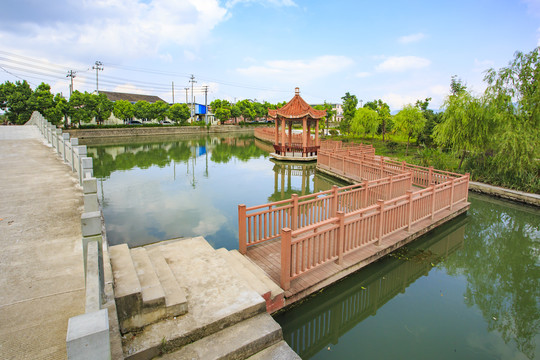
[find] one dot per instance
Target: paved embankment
(156, 131)
(41, 262)
(515, 195)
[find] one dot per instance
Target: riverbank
(515, 195)
(156, 131)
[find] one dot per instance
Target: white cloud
(403, 63)
(397, 101)
(363, 74)
(298, 69)
(232, 3)
(117, 28)
(129, 88)
(407, 39)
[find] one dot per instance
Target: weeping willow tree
(500, 130)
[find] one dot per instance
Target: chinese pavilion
(287, 146)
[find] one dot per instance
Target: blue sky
(399, 51)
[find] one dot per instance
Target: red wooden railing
(261, 223)
(306, 248)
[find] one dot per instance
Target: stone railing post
(73, 143)
(87, 168)
(65, 140)
(88, 336)
(58, 138)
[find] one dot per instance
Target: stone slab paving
(41, 263)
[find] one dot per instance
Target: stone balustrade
(88, 333)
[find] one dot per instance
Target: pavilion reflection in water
(336, 311)
(288, 174)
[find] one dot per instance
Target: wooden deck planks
(267, 256)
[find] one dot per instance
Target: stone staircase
(256, 278)
(181, 299)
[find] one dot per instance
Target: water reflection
(480, 297)
(501, 263)
(334, 312)
(157, 190)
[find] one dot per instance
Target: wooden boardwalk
(267, 255)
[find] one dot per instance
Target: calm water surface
(468, 290)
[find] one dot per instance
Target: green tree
(123, 109)
(385, 119)
(329, 113)
(365, 121)
(81, 107)
(102, 107)
(349, 108)
(43, 101)
(246, 109)
(223, 114)
(235, 112)
(158, 110)
(142, 110)
(465, 125)
(513, 93)
(179, 113)
(410, 121)
(61, 110)
(14, 99)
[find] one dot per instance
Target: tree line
(495, 135)
(19, 101)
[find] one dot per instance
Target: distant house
(132, 98)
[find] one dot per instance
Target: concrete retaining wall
(156, 131)
(519, 196)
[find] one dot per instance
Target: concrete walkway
(41, 263)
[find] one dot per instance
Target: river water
(468, 290)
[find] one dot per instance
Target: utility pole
(192, 81)
(173, 92)
(97, 67)
(205, 104)
(186, 95)
(71, 74)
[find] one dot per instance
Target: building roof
(297, 108)
(132, 98)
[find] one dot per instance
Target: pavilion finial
(297, 91)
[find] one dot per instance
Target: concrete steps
(278, 351)
(226, 317)
(256, 278)
(145, 289)
(239, 341)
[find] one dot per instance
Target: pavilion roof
(297, 108)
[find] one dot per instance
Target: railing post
(467, 188)
(242, 244)
(334, 209)
(58, 141)
(285, 279)
(294, 213)
(389, 195)
(87, 168)
(410, 209)
(364, 194)
(403, 165)
(430, 175)
(452, 185)
(381, 222)
(432, 202)
(341, 236)
(65, 137)
(74, 143)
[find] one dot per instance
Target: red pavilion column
(304, 134)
